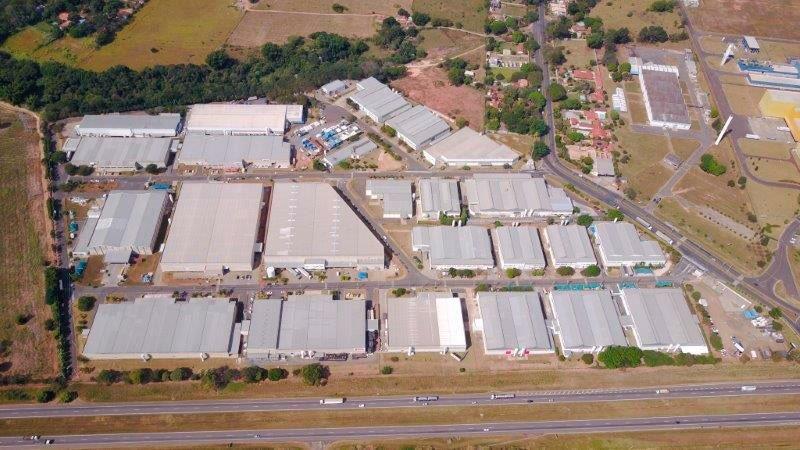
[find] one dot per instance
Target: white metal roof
(237, 118)
(517, 194)
(513, 320)
(519, 246)
(587, 319)
(661, 318)
(355, 150)
(428, 322)
(620, 243)
(454, 246)
(395, 194)
(378, 99)
(569, 245)
(127, 124)
(129, 220)
(234, 151)
(467, 146)
(419, 125)
(121, 152)
(439, 195)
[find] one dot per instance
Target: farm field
(471, 14)
(381, 7)
(773, 18)
(616, 15)
(431, 87)
(30, 348)
(32, 43)
(259, 27)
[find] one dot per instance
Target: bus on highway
(501, 396)
(426, 398)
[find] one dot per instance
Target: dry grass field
(773, 18)
(577, 53)
(31, 348)
(774, 169)
(441, 43)
(381, 7)
(644, 170)
(471, 14)
(259, 27)
(633, 14)
(743, 99)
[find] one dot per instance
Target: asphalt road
(418, 431)
(308, 403)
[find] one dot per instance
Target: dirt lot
(259, 27)
(31, 347)
(442, 43)
(382, 7)
(430, 87)
(773, 18)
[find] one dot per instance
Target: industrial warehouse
(513, 324)
(355, 150)
(227, 118)
(129, 125)
(586, 321)
(127, 223)
(163, 327)
(235, 153)
(214, 229)
(660, 320)
(438, 196)
(118, 154)
(311, 226)
(394, 195)
(429, 322)
(378, 101)
(569, 246)
(663, 98)
(418, 126)
(618, 244)
(466, 247)
(467, 147)
(513, 195)
(519, 248)
(305, 325)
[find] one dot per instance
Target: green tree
(615, 357)
(587, 358)
(313, 374)
(557, 92)
(108, 376)
(591, 271)
(86, 303)
(540, 150)
(252, 374)
(614, 214)
(67, 396)
(584, 220)
(386, 370)
(709, 164)
(45, 396)
(139, 376)
(513, 272)
(276, 374)
(775, 313)
(219, 60)
(399, 292)
(180, 374)
(565, 271)
(420, 19)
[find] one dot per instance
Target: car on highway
(360, 405)
(49, 442)
(35, 437)
(662, 391)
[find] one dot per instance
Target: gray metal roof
(121, 152)
(378, 99)
(354, 150)
(129, 220)
(220, 118)
(604, 167)
(235, 151)
(619, 243)
(439, 195)
(396, 196)
(334, 86)
(661, 318)
(664, 96)
(311, 222)
(517, 194)
(454, 246)
(128, 124)
(307, 322)
(428, 322)
(519, 246)
(587, 319)
(161, 327)
(569, 245)
(215, 225)
(513, 320)
(419, 125)
(467, 146)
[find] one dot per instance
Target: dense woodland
(278, 72)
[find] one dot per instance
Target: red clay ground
(430, 87)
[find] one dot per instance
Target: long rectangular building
(163, 327)
(519, 248)
(214, 228)
(438, 196)
(378, 101)
(513, 324)
(307, 323)
(395, 195)
(586, 321)
(311, 226)
(129, 125)
(619, 245)
(235, 152)
(227, 118)
(120, 154)
(661, 320)
(418, 126)
(355, 150)
(430, 322)
(513, 195)
(663, 97)
(467, 147)
(128, 222)
(569, 246)
(466, 247)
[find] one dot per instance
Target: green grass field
(469, 13)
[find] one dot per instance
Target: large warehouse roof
(570, 246)
(418, 126)
(468, 147)
(214, 226)
(378, 100)
(121, 153)
(226, 118)
(467, 246)
(430, 322)
(439, 195)
(128, 221)
(662, 320)
(127, 125)
(586, 320)
(514, 194)
(163, 328)
(311, 225)
(663, 95)
(514, 321)
(619, 244)
(395, 194)
(519, 247)
(307, 323)
(225, 151)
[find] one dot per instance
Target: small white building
(334, 88)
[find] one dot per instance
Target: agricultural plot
(28, 348)
(381, 7)
(259, 27)
(471, 14)
(773, 18)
